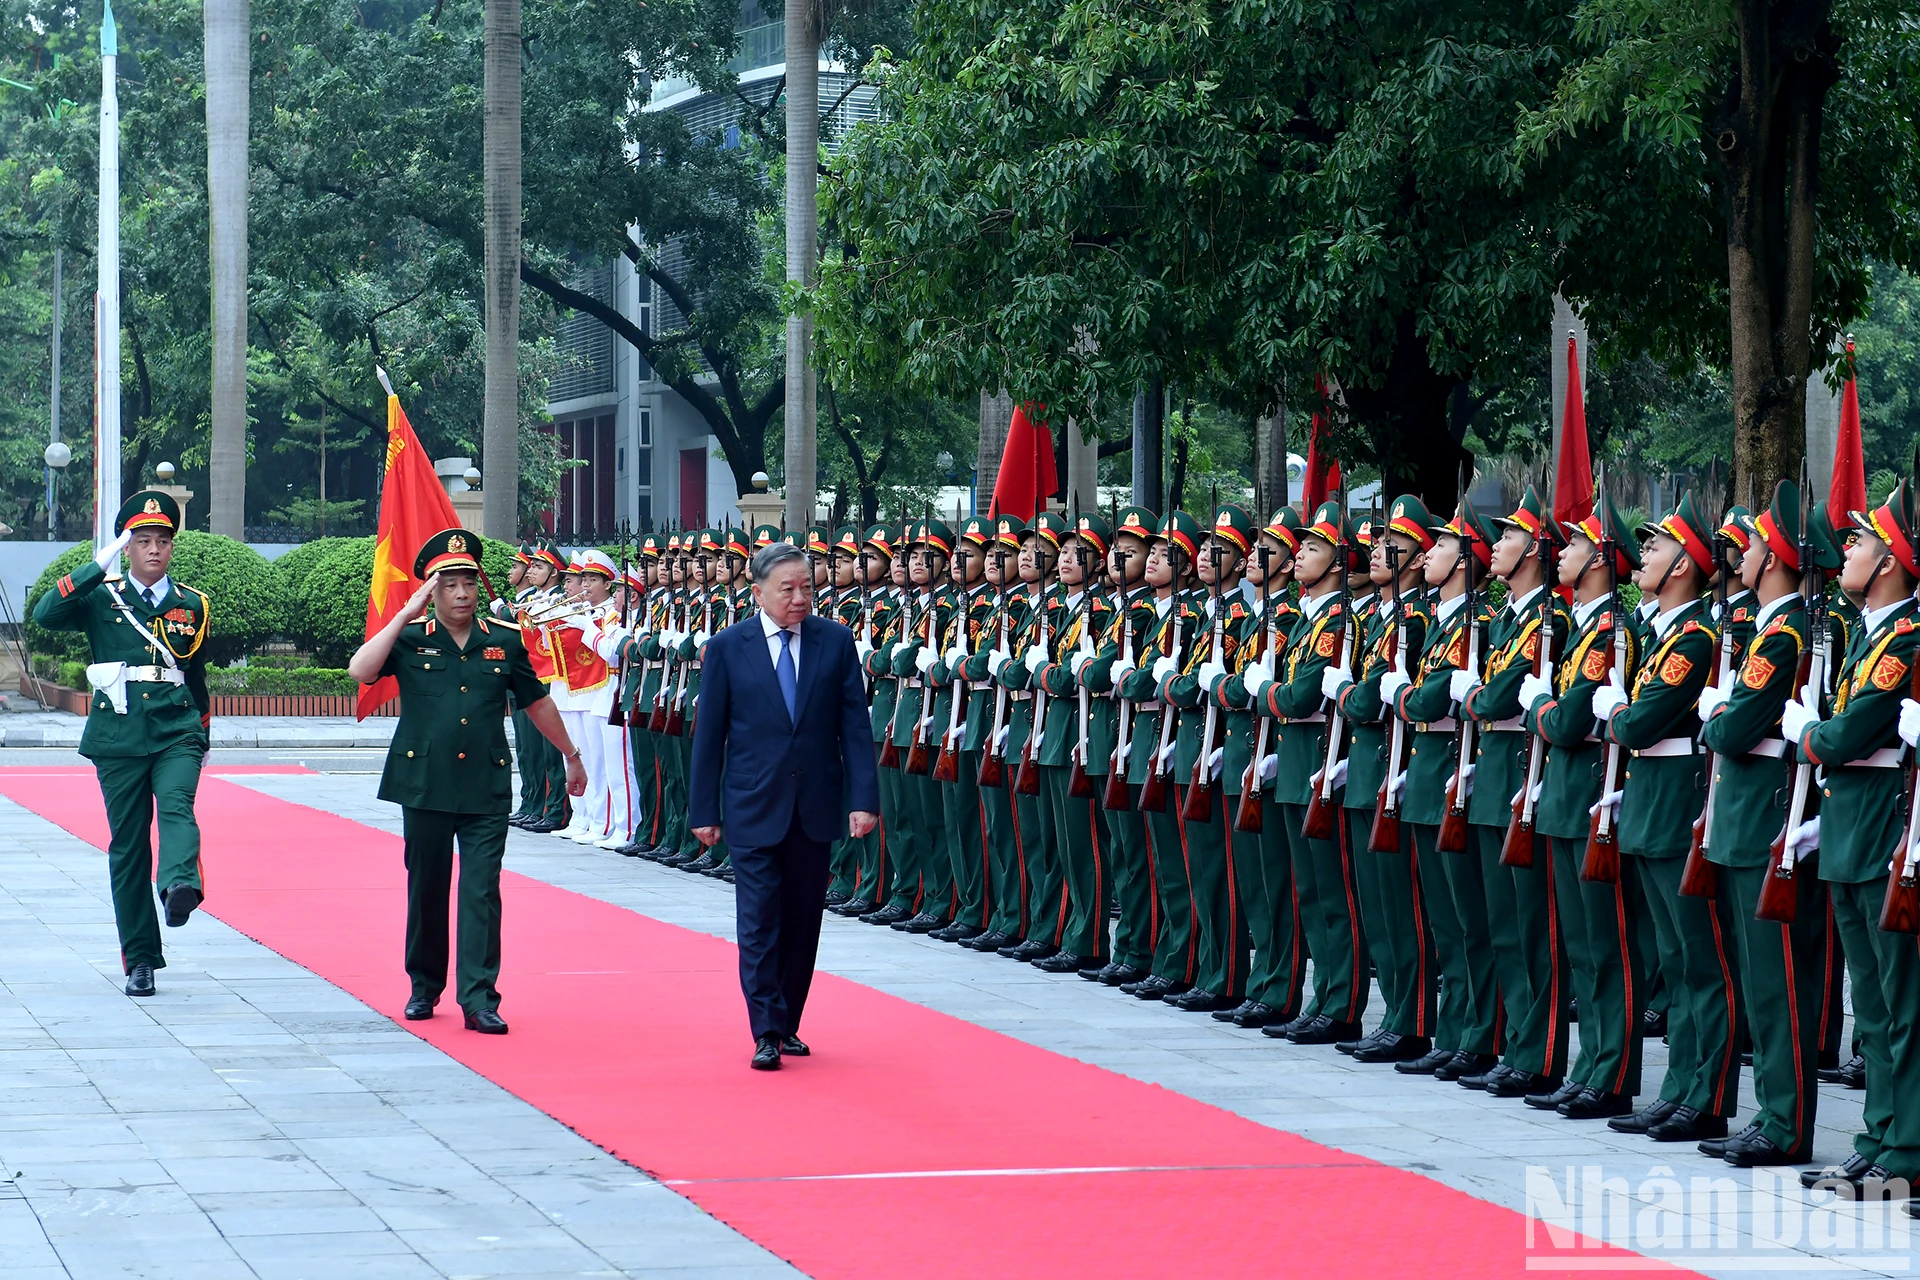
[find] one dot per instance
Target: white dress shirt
(154, 594)
(773, 631)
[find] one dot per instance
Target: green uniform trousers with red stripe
(1006, 876)
(1219, 920)
(1131, 864)
(1396, 927)
(1783, 985)
(134, 787)
(965, 832)
(1468, 1014)
(1263, 865)
(1885, 968)
(1328, 893)
(1529, 956)
(1175, 955)
(1080, 839)
(1604, 961)
(1699, 955)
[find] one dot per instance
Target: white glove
(1712, 698)
(1608, 699)
(1460, 684)
(1039, 736)
(1339, 776)
(1261, 671)
(589, 632)
(997, 659)
(110, 554)
(925, 660)
(1257, 680)
(1210, 671)
(1795, 719)
(1805, 838)
(1079, 659)
(700, 639)
(1162, 668)
(1167, 754)
(1393, 684)
(1000, 738)
(1036, 658)
(1533, 688)
(1122, 668)
(1612, 800)
(861, 648)
(1333, 680)
(1269, 768)
(1465, 788)
(1538, 787)
(1213, 762)
(1909, 721)
(1399, 785)
(956, 655)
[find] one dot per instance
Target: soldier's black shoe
(835, 899)
(794, 1047)
(1551, 1100)
(703, 863)
(180, 900)
(1255, 1014)
(991, 940)
(140, 980)
(419, 1009)
(1093, 971)
(886, 915)
(1832, 1175)
(1482, 1079)
(725, 874)
(1646, 1117)
(546, 826)
(766, 1053)
(1466, 1064)
(1592, 1104)
(517, 820)
(1424, 1065)
(1061, 962)
(631, 849)
(1200, 1000)
(1031, 949)
(1652, 1023)
(1718, 1146)
(487, 1022)
(954, 932)
(1141, 983)
(1325, 1029)
(1119, 975)
(925, 922)
(1521, 1084)
(1393, 1047)
(1762, 1152)
(1689, 1124)
(1351, 1047)
(1854, 1068)
(853, 907)
(1158, 988)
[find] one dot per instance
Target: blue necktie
(789, 677)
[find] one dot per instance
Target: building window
(583, 507)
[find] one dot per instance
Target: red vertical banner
(1323, 469)
(1027, 475)
(1573, 471)
(1848, 490)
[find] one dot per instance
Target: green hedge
(276, 681)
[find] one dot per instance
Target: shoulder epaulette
(1902, 626)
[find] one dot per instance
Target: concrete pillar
(996, 416)
(1823, 435)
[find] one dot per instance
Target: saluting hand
(420, 597)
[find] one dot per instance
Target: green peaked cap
(1234, 524)
(1182, 530)
(148, 509)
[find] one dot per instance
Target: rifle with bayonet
(1079, 781)
(1247, 815)
(1516, 850)
(1602, 861)
(1452, 837)
(889, 750)
(1197, 806)
(1318, 823)
(1119, 796)
(1777, 900)
(1153, 792)
(1026, 778)
(618, 716)
(992, 759)
(1699, 879)
(1384, 837)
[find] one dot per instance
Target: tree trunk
(1407, 421)
(1270, 459)
(996, 418)
(1149, 446)
(226, 26)
(803, 187)
(1768, 144)
(500, 419)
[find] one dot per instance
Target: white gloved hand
(1213, 762)
(1399, 785)
(1909, 721)
(998, 658)
(1533, 688)
(1805, 838)
(1465, 789)
(1333, 680)
(1712, 698)
(1392, 685)
(956, 656)
(1257, 680)
(1460, 684)
(1000, 738)
(589, 632)
(1269, 768)
(1079, 659)
(1795, 719)
(1122, 668)
(1612, 799)
(861, 648)
(1210, 671)
(1339, 776)
(1608, 699)
(925, 660)
(1036, 658)
(1162, 668)
(700, 639)
(1261, 671)
(110, 554)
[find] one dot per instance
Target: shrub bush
(237, 579)
(278, 681)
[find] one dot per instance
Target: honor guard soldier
(1396, 926)
(1291, 696)
(1129, 620)
(1857, 748)
(1664, 786)
(964, 824)
(921, 855)
(882, 573)
(1603, 958)
(1530, 962)
(1781, 964)
(147, 718)
(448, 770)
(846, 888)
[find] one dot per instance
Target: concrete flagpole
(106, 302)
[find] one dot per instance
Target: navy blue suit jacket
(755, 771)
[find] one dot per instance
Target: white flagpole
(106, 302)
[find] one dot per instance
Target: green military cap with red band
(1473, 528)
(1625, 544)
(1233, 524)
(1093, 529)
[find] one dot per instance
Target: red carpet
(632, 1032)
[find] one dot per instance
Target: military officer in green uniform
(913, 658)
(1603, 950)
(1664, 785)
(448, 767)
(147, 721)
(1530, 960)
(1857, 748)
(963, 822)
(886, 572)
(1781, 966)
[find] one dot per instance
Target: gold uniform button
(463, 688)
(463, 719)
(1829, 793)
(463, 755)
(409, 755)
(145, 696)
(426, 666)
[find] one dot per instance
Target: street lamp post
(57, 456)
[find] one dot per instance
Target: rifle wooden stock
(1197, 804)
(889, 753)
(946, 765)
(1153, 793)
(1778, 901)
(1247, 814)
(1384, 835)
(1453, 823)
(1026, 779)
(1516, 848)
(1602, 862)
(919, 759)
(993, 770)
(676, 725)
(1079, 781)
(1700, 878)
(1118, 796)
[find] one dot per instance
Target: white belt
(156, 675)
(978, 685)
(1513, 725)
(1444, 725)
(1884, 758)
(1773, 748)
(1150, 706)
(1318, 717)
(1670, 747)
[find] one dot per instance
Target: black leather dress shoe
(1119, 975)
(140, 980)
(1393, 1047)
(1851, 1172)
(1228, 1015)
(1061, 962)
(1718, 1146)
(1159, 988)
(487, 1022)
(702, 864)
(886, 915)
(1325, 1030)
(1852, 1073)
(543, 828)
(1353, 1046)
(1521, 1084)
(1592, 1104)
(1762, 1152)
(1689, 1124)
(180, 900)
(854, 907)
(1031, 949)
(958, 932)
(725, 874)
(794, 1047)
(1255, 1014)
(920, 922)
(991, 940)
(1093, 971)
(1479, 1080)
(1426, 1064)
(835, 899)
(1200, 1000)
(419, 1009)
(1652, 1023)
(1645, 1118)
(1551, 1099)
(766, 1053)
(1466, 1064)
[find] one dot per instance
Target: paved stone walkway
(409, 1151)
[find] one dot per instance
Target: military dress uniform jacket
(1268, 634)
(1500, 750)
(1183, 690)
(1576, 762)
(1087, 617)
(1003, 620)
(1319, 641)
(1360, 701)
(1135, 623)
(1753, 771)
(1433, 751)
(1170, 635)
(1860, 797)
(158, 713)
(1665, 782)
(449, 750)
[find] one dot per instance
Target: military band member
(550, 810)
(147, 719)
(448, 768)
(590, 686)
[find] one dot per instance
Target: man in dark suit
(783, 759)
